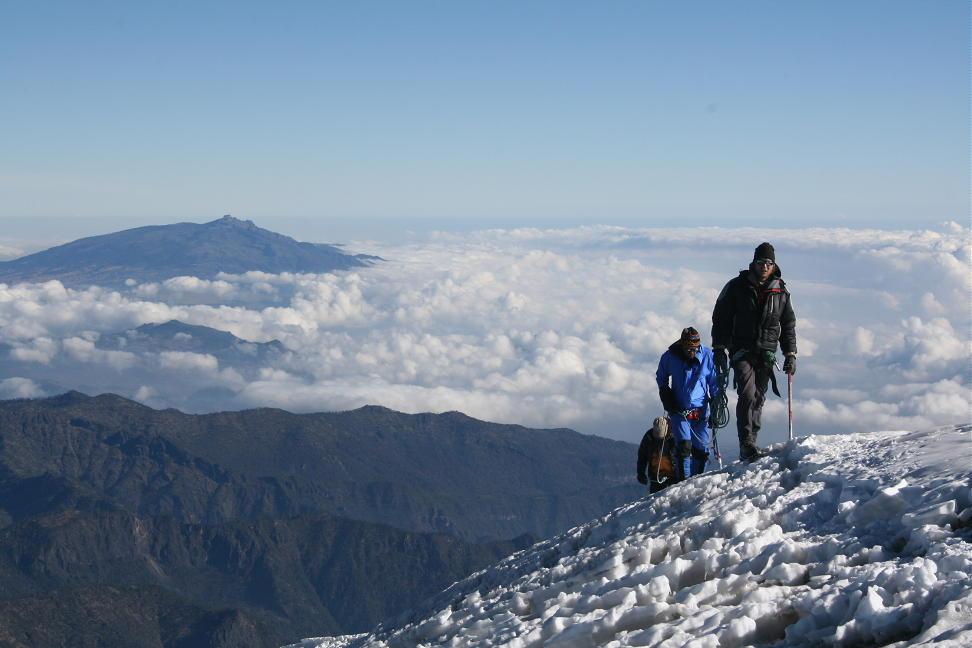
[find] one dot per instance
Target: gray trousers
(752, 381)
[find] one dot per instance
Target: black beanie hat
(764, 251)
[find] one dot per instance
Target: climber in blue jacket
(687, 382)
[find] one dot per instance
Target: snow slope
(850, 540)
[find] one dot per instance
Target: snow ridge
(862, 539)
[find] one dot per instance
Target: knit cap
(690, 338)
(764, 251)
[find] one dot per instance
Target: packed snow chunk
(950, 626)
(936, 514)
(876, 624)
(953, 562)
(659, 588)
(436, 625)
(740, 632)
(521, 604)
(849, 540)
(921, 540)
(888, 502)
(787, 574)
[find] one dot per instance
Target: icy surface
(342, 641)
(862, 539)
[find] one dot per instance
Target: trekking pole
(789, 401)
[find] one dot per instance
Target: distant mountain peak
(67, 398)
(74, 397)
(173, 326)
(158, 252)
(175, 335)
(232, 221)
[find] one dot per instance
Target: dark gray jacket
(754, 317)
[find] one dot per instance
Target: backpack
(661, 467)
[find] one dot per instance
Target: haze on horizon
(339, 122)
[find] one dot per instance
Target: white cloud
(145, 394)
(84, 350)
(195, 290)
(8, 252)
(555, 327)
(17, 387)
(862, 341)
(926, 349)
(926, 406)
(188, 361)
(40, 350)
(931, 306)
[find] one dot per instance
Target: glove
(667, 399)
(789, 365)
(721, 358)
(642, 479)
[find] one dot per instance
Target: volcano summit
(158, 252)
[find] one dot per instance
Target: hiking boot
(750, 453)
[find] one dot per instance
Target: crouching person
(657, 454)
(687, 382)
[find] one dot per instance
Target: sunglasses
(764, 262)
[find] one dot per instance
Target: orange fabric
(659, 464)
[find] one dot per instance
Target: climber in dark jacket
(656, 455)
(751, 319)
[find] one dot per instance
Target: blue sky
(375, 117)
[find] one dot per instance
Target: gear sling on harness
(692, 414)
(767, 358)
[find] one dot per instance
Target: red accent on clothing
(764, 294)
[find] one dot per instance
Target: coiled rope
(719, 411)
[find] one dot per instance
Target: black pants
(752, 381)
(654, 487)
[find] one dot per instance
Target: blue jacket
(692, 383)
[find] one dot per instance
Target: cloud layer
(539, 327)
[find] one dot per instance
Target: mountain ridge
(110, 508)
(378, 465)
(258, 527)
